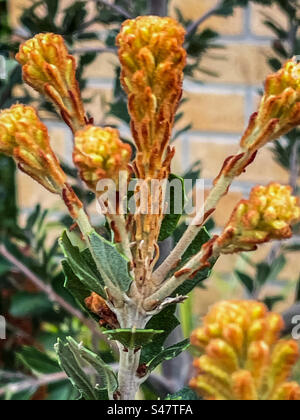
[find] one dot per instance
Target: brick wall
(218, 109)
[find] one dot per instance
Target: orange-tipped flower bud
(25, 138)
(267, 215)
(49, 69)
(279, 111)
(244, 370)
(99, 154)
(152, 59)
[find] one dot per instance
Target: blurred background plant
(32, 297)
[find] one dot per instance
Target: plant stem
(218, 191)
(128, 381)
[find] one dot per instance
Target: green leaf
(263, 271)
(109, 381)
(133, 338)
(71, 365)
(82, 265)
(113, 266)
(246, 280)
(25, 304)
(186, 394)
(61, 391)
(169, 354)
(76, 287)
(37, 362)
(271, 301)
(172, 218)
(20, 396)
(166, 318)
(5, 266)
(202, 238)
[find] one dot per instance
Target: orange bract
(24, 137)
(279, 111)
(244, 358)
(267, 215)
(152, 59)
(48, 68)
(99, 153)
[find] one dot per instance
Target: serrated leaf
(108, 378)
(74, 371)
(133, 338)
(37, 362)
(169, 354)
(113, 266)
(186, 394)
(82, 266)
(171, 219)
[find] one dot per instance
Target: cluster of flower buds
(267, 215)
(99, 153)
(25, 138)
(152, 60)
(243, 356)
(49, 69)
(279, 111)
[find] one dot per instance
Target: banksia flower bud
(49, 69)
(152, 59)
(99, 154)
(244, 358)
(267, 215)
(279, 111)
(25, 138)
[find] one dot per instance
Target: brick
(214, 112)
(237, 64)
(192, 9)
(264, 169)
(104, 66)
(260, 13)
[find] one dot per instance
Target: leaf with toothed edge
(133, 338)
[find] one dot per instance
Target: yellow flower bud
(267, 215)
(252, 367)
(99, 154)
(279, 111)
(49, 69)
(152, 60)
(25, 138)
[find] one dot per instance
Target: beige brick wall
(218, 107)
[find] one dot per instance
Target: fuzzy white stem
(128, 380)
(217, 192)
